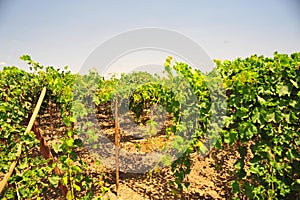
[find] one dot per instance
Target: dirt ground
(209, 178)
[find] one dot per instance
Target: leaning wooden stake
(117, 143)
(10, 171)
(29, 127)
(46, 153)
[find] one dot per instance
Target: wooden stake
(50, 116)
(29, 127)
(117, 144)
(46, 153)
(11, 169)
(36, 110)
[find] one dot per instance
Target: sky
(65, 33)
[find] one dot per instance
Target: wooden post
(117, 144)
(29, 127)
(50, 116)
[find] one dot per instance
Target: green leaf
(218, 144)
(248, 190)
(54, 180)
(77, 169)
(233, 135)
(23, 164)
(242, 112)
(187, 184)
(260, 99)
(282, 90)
(235, 187)
(65, 180)
(70, 133)
(69, 142)
(78, 142)
(294, 83)
(203, 149)
(57, 147)
(25, 58)
(69, 195)
(104, 189)
(166, 160)
(76, 187)
(290, 154)
(255, 116)
(254, 170)
(270, 117)
(228, 121)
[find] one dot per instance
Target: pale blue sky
(65, 32)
